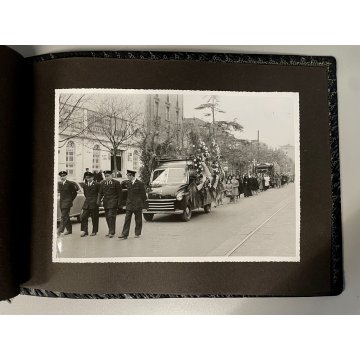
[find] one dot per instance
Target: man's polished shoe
(123, 237)
(111, 235)
(83, 234)
(107, 235)
(137, 236)
(93, 234)
(67, 232)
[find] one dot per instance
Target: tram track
(230, 252)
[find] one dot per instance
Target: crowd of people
(101, 187)
(99, 175)
(234, 186)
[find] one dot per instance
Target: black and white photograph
(176, 176)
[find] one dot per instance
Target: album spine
(15, 137)
(337, 272)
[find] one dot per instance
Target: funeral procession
(174, 174)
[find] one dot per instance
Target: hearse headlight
(179, 196)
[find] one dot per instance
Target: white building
(79, 150)
(83, 142)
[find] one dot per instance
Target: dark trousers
(138, 222)
(65, 222)
(110, 216)
(94, 214)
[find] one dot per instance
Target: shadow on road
(177, 218)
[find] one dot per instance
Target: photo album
(169, 174)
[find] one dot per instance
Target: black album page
(184, 174)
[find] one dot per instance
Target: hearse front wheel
(207, 208)
(186, 215)
(148, 217)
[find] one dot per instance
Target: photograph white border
(296, 258)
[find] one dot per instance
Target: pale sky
(270, 113)
(273, 114)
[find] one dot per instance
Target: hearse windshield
(169, 176)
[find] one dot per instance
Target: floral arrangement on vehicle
(205, 159)
(200, 156)
(215, 150)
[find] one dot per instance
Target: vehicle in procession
(270, 169)
(277, 177)
(174, 190)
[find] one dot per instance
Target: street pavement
(258, 226)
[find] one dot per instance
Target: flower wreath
(201, 154)
(211, 157)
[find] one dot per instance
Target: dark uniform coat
(99, 177)
(136, 201)
(136, 195)
(68, 192)
(90, 207)
(110, 193)
(91, 195)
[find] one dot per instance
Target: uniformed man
(68, 191)
(111, 195)
(99, 176)
(136, 201)
(86, 171)
(90, 207)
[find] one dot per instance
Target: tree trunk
(114, 161)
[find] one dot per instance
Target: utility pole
(258, 145)
(213, 116)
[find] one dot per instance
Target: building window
(70, 158)
(136, 161)
(129, 157)
(96, 157)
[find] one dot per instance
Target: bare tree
(155, 143)
(116, 122)
(72, 122)
(148, 147)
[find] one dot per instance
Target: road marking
(229, 253)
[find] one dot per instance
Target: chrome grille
(161, 204)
